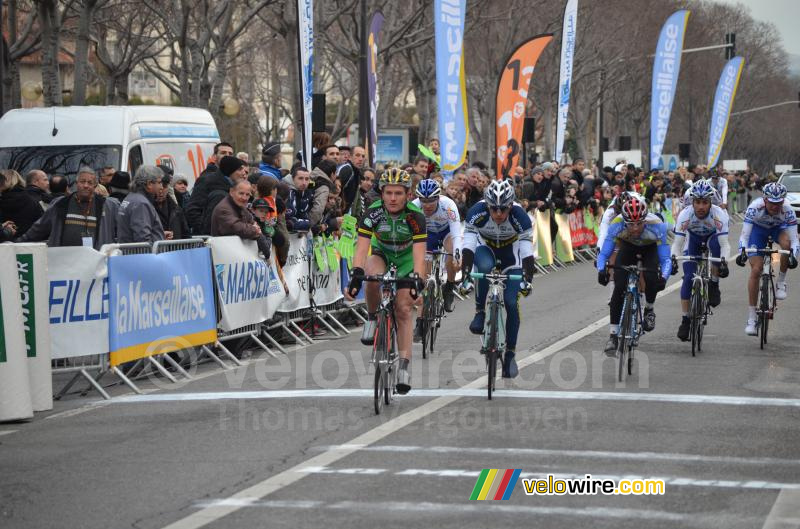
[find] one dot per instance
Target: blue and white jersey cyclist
(444, 231)
(767, 216)
(634, 232)
(700, 223)
(499, 229)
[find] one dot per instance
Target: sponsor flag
(568, 36)
(451, 91)
(512, 94)
(723, 103)
(305, 56)
(666, 67)
(372, 79)
(495, 484)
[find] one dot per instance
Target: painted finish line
(723, 400)
(456, 473)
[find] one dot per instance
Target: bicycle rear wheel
(492, 355)
(764, 307)
(625, 337)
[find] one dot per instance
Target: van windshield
(64, 160)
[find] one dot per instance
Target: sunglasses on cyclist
(636, 224)
(498, 209)
(429, 200)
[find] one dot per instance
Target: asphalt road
(294, 441)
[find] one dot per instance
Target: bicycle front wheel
(764, 307)
(625, 336)
(381, 352)
(696, 312)
(491, 348)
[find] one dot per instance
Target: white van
(59, 140)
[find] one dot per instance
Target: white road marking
(785, 512)
(638, 397)
(460, 473)
(260, 490)
(7, 432)
(582, 454)
(95, 405)
(455, 510)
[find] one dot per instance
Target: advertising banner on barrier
(160, 303)
(563, 241)
(299, 270)
(666, 67)
(535, 236)
(250, 290)
(545, 246)
(512, 95)
(451, 88)
(78, 301)
(580, 233)
(32, 274)
(15, 394)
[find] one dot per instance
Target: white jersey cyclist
(758, 224)
(716, 199)
(444, 221)
(715, 223)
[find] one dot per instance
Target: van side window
(134, 159)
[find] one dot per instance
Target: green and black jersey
(393, 236)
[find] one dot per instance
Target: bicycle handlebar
(633, 268)
(754, 251)
(698, 258)
(496, 277)
(439, 252)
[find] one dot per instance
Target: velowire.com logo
(495, 484)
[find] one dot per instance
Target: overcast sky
(785, 14)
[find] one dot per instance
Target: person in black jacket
(170, 213)
(210, 190)
(349, 174)
(221, 150)
(16, 205)
(37, 185)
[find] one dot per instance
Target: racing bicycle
(767, 305)
(384, 347)
(699, 309)
(494, 328)
(433, 302)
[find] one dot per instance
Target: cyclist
(637, 233)
(612, 212)
(498, 229)
(767, 216)
(701, 223)
(716, 198)
(444, 231)
(720, 185)
(395, 229)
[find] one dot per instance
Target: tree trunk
(121, 89)
(51, 78)
(219, 82)
(82, 52)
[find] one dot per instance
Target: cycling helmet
(633, 210)
(774, 192)
(499, 194)
(702, 190)
(625, 196)
(394, 176)
(428, 188)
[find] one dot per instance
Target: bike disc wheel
(624, 336)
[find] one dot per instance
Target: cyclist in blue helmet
(767, 216)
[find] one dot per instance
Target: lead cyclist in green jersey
(395, 229)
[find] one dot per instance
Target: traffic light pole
(765, 107)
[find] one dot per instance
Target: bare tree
(23, 40)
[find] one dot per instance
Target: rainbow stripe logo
(495, 484)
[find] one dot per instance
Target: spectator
(323, 177)
(58, 186)
(299, 200)
(221, 150)
(275, 193)
(344, 154)
(519, 175)
(365, 195)
(536, 191)
(37, 185)
(16, 205)
(654, 190)
(331, 153)
(137, 219)
(208, 192)
(472, 194)
(231, 217)
(7, 229)
(83, 218)
(243, 156)
(270, 160)
(102, 191)
(170, 213)
(181, 190)
(455, 192)
(119, 187)
(106, 175)
(578, 166)
(349, 174)
(420, 167)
